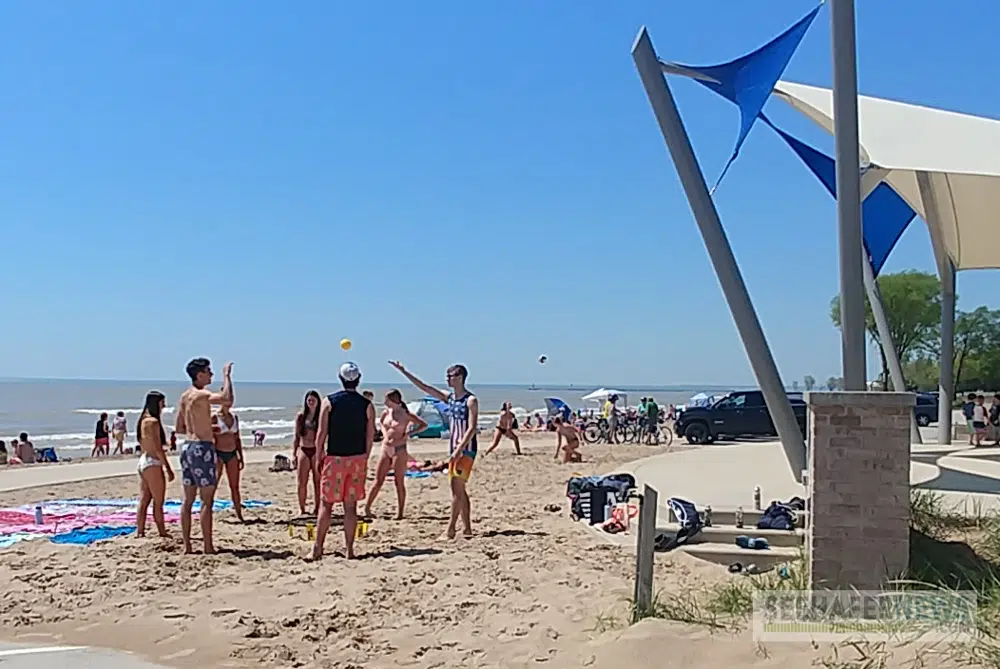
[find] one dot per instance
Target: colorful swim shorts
(461, 468)
(342, 479)
(198, 460)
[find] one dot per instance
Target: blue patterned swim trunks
(198, 464)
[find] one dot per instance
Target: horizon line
(679, 386)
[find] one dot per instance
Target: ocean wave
(111, 412)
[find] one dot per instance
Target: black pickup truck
(739, 414)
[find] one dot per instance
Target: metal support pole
(726, 269)
(845, 129)
(869, 182)
(946, 272)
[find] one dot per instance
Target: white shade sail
(960, 153)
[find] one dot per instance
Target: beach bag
(591, 504)
(689, 519)
(621, 484)
(281, 464)
(777, 517)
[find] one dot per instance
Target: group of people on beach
(334, 436)
(22, 451)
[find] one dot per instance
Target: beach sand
(529, 588)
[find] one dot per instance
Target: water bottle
(756, 498)
(739, 516)
(38, 515)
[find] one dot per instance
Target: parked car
(926, 409)
(739, 414)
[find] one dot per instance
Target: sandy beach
(529, 588)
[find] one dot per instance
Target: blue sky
(440, 181)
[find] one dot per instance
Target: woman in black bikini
(304, 450)
(229, 447)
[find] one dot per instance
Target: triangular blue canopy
(884, 214)
(748, 81)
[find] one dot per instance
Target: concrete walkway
(26, 656)
(724, 475)
(33, 476)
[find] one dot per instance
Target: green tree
(832, 383)
(976, 335)
(976, 358)
(912, 302)
(809, 382)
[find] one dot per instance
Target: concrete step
(726, 535)
(727, 555)
(727, 516)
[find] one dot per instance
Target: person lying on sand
(153, 467)
(428, 466)
(397, 424)
(571, 451)
(198, 455)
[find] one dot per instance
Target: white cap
(350, 372)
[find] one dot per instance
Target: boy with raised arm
(463, 413)
(198, 456)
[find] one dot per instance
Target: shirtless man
(506, 427)
(571, 451)
(198, 456)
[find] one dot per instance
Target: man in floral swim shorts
(194, 421)
(347, 430)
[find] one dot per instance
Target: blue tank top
(458, 412)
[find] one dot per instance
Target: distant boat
(533, 387)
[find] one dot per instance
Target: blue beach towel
(88, 535)
(170, 504)
(417, 475)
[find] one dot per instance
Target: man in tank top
(346, 431)
(463, 413)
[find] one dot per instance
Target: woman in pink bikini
(395, 423)
(304, 450)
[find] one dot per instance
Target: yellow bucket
(361, 530)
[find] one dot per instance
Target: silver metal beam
(869, 182)
(946, 272)
(845, 130)
(721, 254)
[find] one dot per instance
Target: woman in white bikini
(304, 450)
(395, 423)
(154, 468)
(229, 447)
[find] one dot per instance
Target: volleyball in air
(542, 359)
(345, 344)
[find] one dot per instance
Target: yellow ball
(345, 344)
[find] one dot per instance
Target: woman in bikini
(229, 447)
(154, 468)
(304, 450)
(506, 427)
(571, 451)
(395, 423)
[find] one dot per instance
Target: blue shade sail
(884, 214)
(748, 81)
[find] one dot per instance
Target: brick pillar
(859, 480)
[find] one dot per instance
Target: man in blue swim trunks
(198, 456)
